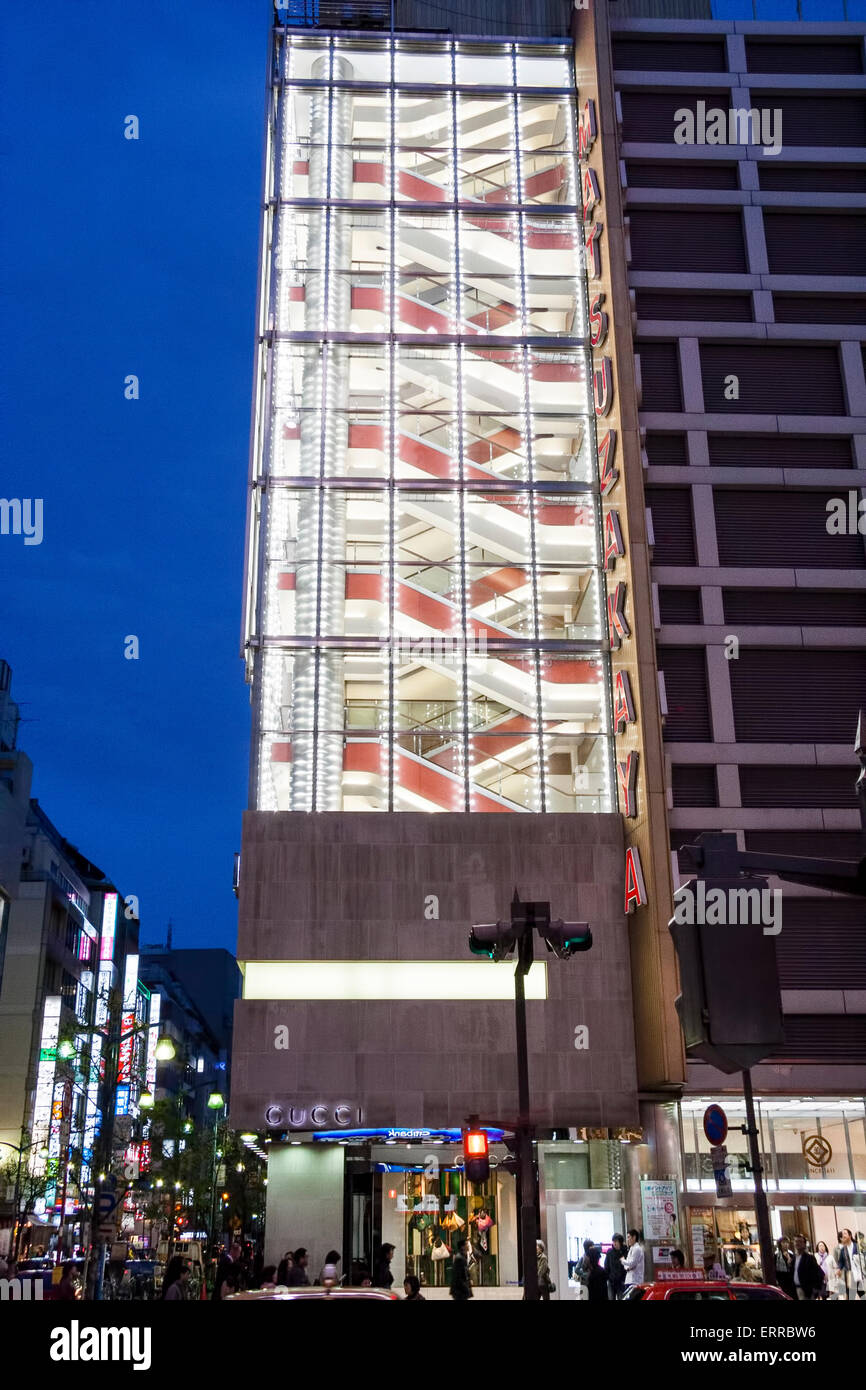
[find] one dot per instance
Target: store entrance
(418, 1200)
(573, 1218)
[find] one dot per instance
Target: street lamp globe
(66, 1049)
(165, 1050)
(215, 1101)
(145, 1100)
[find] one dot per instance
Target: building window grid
(327, 211)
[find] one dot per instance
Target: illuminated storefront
(813, 1150)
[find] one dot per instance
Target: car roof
(688, 1284)
(281, 1293)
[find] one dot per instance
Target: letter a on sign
(591, 193)
(613, 546)
(635, 890)
(623, 704)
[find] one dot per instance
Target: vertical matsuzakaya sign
(635, 698)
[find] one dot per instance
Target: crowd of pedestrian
(838, 1274)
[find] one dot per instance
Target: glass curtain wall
(425, 597)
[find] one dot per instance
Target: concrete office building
(745, 268)
(449, 640)
(16, 773)
(70, 980)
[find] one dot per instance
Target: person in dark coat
(382, 1276)
(596, 1279)
(284, 1268)
(806, 1273)
(461, 1286)
(613, 1269)
(230, 1263)
(67, 1289)
(785, 1266)
(298, 1277)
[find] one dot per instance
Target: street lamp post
(498, 941)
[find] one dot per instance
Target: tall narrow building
(450, 648)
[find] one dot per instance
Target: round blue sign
(715, 1124)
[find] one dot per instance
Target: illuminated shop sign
(152, 1036)
(447, 1136)
(109, 920)
(315, 1116)
(604, 391)
(45, 1079)
(124, 1064)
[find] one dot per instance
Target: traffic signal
(730, 1007)
(476, 1156)
(564, 939)
(496, 940)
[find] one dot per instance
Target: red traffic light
(476, 1143)
(476, 1156)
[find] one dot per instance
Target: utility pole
(762, 1210)
(526, 1172)
(498, 941)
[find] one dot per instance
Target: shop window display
(442, 1209)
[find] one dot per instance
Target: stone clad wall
(354, 886)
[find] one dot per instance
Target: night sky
(133, 257)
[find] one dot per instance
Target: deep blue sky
(133, 257)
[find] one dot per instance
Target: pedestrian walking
(613, 1266)
(828, 1268)
(67, 1287)
(633, 1261)
(596, 1279)
(850, 1276)
(806, 1273)
(298, 1277)
(382, 1276)
(545, 1283)
(678, 1259)
(412, 1289)
(461, 1285)
(785, 1266)
(744, 1273)
(229, 1264)
(329, 1273)
(176, 1281)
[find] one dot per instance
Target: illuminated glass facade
(424, 613)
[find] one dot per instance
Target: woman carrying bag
(546, 1285)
